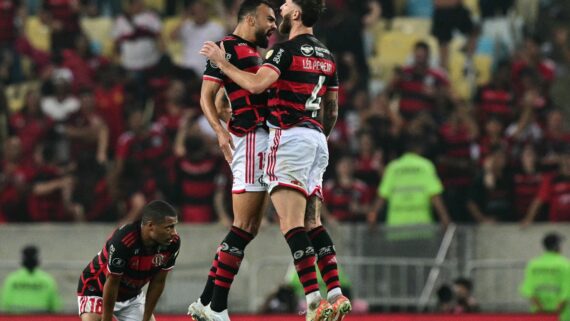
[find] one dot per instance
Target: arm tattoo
(330, 115)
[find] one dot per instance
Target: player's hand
(226, 144)
(215, 54)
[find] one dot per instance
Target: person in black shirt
(136, 254)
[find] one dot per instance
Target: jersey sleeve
(172, 260)
(332, 81)
(119, 255)
(212, 71)
(278, 59)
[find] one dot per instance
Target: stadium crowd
(100, 106)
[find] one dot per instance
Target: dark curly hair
(311, 9)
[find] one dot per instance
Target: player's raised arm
(254, 83)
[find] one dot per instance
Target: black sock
(206, 296)
(229, 259)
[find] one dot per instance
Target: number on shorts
(314, 102)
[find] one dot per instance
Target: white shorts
(130, 310)
(247, 163)
(297, 158)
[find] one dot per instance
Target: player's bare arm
(155, 288)
(110, 292)
(254, 83)
(330, 111)
(207, 102)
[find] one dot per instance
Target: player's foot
(196, 310)
(319, 311)
(212, 315)
(341, 307)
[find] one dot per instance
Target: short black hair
(311, 11)
(250, 6)
(156, 211)
(551, 241)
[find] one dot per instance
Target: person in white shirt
(195, 28)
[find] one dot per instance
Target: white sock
(334, 293)
(313, 296)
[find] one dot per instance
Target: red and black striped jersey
(307, 70)
(248, 110)
(124, 254)
(555, 191)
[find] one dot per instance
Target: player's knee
(250, 225)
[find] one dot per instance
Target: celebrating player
(244, 147)
(299, 73)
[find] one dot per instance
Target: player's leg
(248, 211)
(290, 157)
(249, 197)
(320, 238)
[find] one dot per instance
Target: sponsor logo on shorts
(296, 182)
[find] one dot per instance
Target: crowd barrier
(369, 317)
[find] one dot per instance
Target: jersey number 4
(314, 102)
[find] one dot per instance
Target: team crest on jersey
(215, 66)
(158, 260)
(307, 50)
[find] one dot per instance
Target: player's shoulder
(127, 235)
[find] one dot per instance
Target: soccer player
(136, 254)
(243, 144)
(302, 74)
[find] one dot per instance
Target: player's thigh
(130, 310)
(290, 156)
(248, 161)
(249, 206)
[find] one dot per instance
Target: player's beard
(285, 25)
(261, 38)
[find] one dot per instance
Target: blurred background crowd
(99, 107)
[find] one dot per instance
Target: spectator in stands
(448, 16)
(527, 128)
(50, 198)
(531, 61)
(11, 13)
(558, 49)
(83, 63)
(110, 100)
(410, 186)
(139, 152)
(496, 99)
(347, 199)
(556, 138)
(554, 191)
(490, 198)
(546, 279)
(419, 86)
(281, 301)
(62, 17)
(527, 181)
(194, 29)
(138, 42)
(491, 138)
(368, 162)
(62, 103)
(465, 302)
(30, 124)
(30, 289)
(456, 165)
(200, 180)
(445, 298)
(15, 177)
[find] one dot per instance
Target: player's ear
(250, 19)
